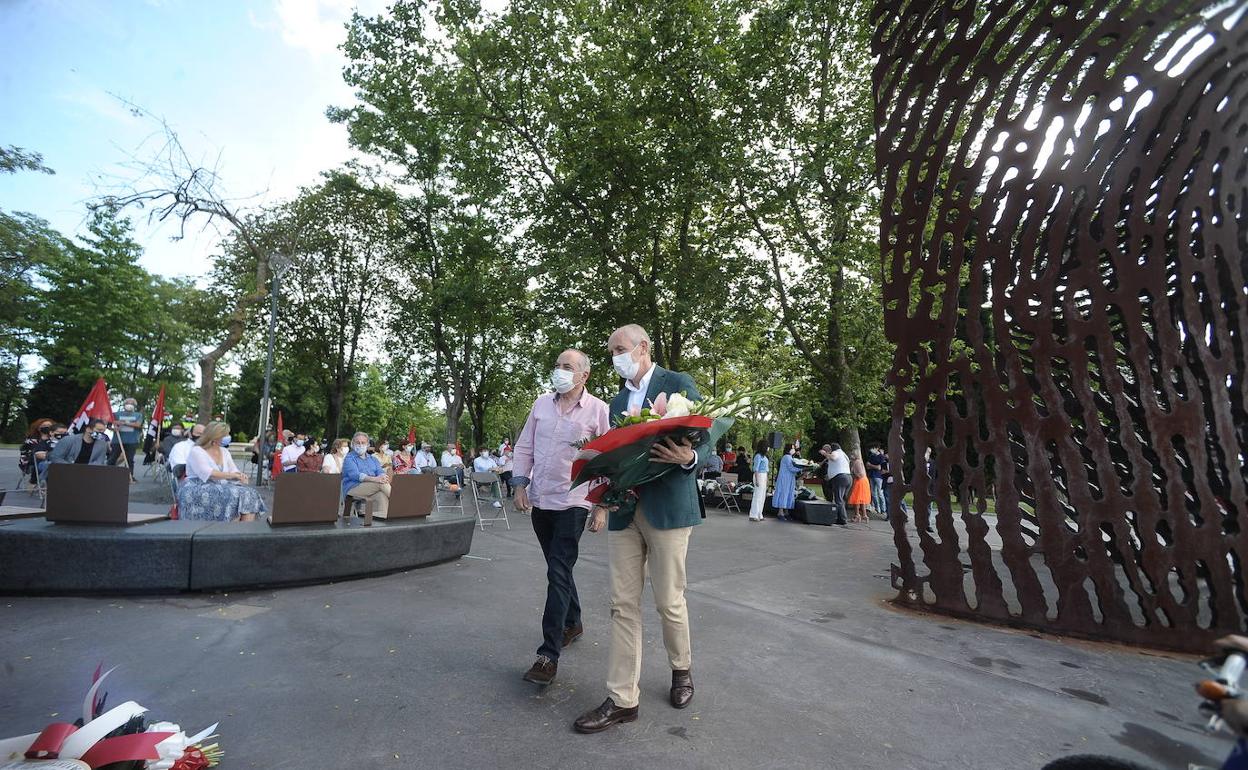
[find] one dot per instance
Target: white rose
(678, 406)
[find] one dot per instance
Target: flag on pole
(277, 454)
(158, 414)
(96, 407)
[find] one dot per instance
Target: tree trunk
(207, 386)
(333, 417)
(842, 397)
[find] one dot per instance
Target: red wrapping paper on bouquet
(619, 460)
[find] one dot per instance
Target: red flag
(276, 470)
(96, 407)
(411, 435)
(158, 414)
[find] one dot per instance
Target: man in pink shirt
(542, 478)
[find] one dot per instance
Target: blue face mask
(225, 440)
(360, 449)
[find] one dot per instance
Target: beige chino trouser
(375, 492)
(632, 552)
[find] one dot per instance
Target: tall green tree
(807, 190)
(336, 296)
(605, 125)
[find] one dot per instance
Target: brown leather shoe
(599, 719)
(682, 688)
(572, 633)
(542, 671)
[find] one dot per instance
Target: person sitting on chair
(484, 463)
(291, 452)
(425, 459)
(89, 448)
(214, 489)
(363, 477)
(311, 459)
(36, 446)
(332, 462)
(404, 460)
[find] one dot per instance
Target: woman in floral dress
(214, 489)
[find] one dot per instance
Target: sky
(246, 80)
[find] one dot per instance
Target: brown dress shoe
(599, 719)
(572, 633)
(682, 688)
(542, 671)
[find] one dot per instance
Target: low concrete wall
(38, 557)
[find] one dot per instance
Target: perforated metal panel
(1065, 237)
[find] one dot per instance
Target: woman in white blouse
(334, 457)
(214, 489)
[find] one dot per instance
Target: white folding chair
(488, 479)
(446, 478)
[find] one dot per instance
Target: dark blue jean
(559, 533)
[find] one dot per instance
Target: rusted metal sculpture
(1065, 237)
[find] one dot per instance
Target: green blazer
(671, 501)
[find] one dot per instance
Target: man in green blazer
(655, 537)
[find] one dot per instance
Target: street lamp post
(279, 265)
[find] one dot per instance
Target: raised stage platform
(39, 557)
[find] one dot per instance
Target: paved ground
(799, 662)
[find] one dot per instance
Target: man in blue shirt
(363, 477)
(129, 429)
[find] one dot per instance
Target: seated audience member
(89, 448)
(175, 434)
(311, 459)
(37, 441)
(290, 454)
(214, 489)
(176, 458)
(333, 458)
(729, 457)
(714, 467)
(403, 461)
(451, 459)
(504, 470)
(384, 455)
(484, 463)
(425, 459)
(363, 477)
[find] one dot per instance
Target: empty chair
(448, 482)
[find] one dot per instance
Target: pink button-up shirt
(544, 451)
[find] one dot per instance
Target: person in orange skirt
(860, 492)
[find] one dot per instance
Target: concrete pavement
(799, 662)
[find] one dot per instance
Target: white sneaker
(497, 504)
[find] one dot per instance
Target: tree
(339, 286)
(604, 130)
(176, 187)
(14, 159)
(807, 189)
(26, 244)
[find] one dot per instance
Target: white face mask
(563, 380)
(485, 454)
(360, 449)
(625, 365)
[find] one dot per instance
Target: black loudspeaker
(775, 439)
